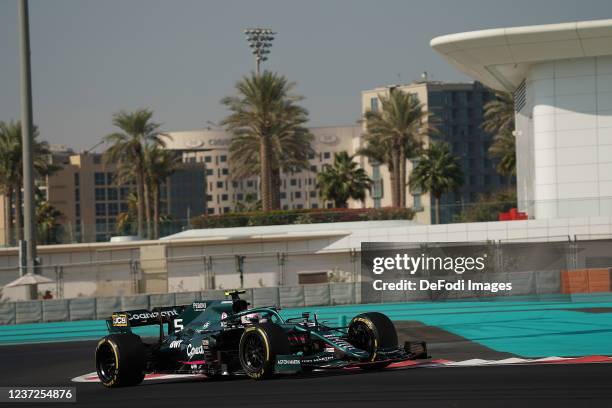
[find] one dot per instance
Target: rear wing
(124, 320)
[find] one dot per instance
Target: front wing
(291, 363)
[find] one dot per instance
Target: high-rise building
(457, 112)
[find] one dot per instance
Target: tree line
(269, 137)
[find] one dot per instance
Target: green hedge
(305, 216)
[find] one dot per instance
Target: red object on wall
(512, 215)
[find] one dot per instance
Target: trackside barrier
(7, 313)
(56, 310)
(29, 312)
(82, 309)
(528, 283)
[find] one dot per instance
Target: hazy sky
(91, 58)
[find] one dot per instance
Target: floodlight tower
(260, 40)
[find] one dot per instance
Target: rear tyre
(371, 332)
(259, 346)
(120, 360)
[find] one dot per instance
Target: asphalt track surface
(579, 385)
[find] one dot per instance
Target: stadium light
(260, 42)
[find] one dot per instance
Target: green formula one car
(226, 337)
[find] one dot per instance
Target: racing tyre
(370, 332)
(120, 360)
(259, 346)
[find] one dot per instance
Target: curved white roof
(500, 57)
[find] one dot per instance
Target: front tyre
(371, 332)
(120, 360)
(259, 346)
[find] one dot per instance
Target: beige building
(85, 191)
(298, 189)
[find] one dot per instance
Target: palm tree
(126, 219)
(499, 113)
(127, 150)
(343, 180)
(503, 149)
(160, 164)
(499, 121)
(48, 218)
(268, 131)
(11, 169)
(437, 172)
(399, 126)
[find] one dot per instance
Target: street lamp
(260, 40)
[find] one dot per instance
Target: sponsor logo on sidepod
(176, 344)
(192, 351)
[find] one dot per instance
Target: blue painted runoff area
(556, 325)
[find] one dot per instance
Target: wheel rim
(253, 353)
(107, 367)
(361, 337)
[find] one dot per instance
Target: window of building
(226, 209)
(110, 178)
(235, 184)
(313, 168)
(224, 197)
(299, 206)
(330, 205)
(210, 210)
(239, 196)
(113, 209)
(285, 207)
(209, 172)
(77, 194)
(124, 192)
(219, 184)
(311, 156)
(326, 155)
(374, 104)
(417, 205)
(100, 194)
(283, 195)
(112, 194)
(293, 182)
(124, 207)
(298, 194)
(77, 179)
(249, 183)
(209, 197)
(207, 159)
(472, 180)
(99, 179)
(223, 158)
(77, 210)
(313, 194)
(97, 159)
(225, 171)
(100, 210)
(314, 206)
